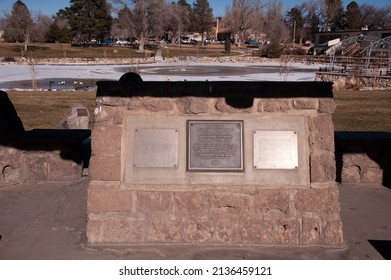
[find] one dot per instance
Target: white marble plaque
(155, 148)
(275, 150)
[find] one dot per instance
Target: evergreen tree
(89, 19)
(295, 20)
(202, 17)
(19, 24)
(353, 16)
(58, 34)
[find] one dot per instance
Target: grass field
(356, 110)
(46, 109)
(363, 111)
(67, 51)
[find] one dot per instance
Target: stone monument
(214, 163)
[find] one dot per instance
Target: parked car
(122, 42)
(252, 43)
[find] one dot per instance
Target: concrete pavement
(48, 221)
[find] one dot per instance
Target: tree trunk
(141, 43)
(26, 42)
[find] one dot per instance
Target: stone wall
(40, 155)
(160, 206)
(43, 155)
(343, 81)
(363, 158)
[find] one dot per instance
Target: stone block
(159, 105)
(118, 118)
(272, 201)
(153, 201)
(38, 168)
(326, 106)
(257, 231)
(10, 175)
(287, 232)
(106, 140)
(124, 231)
(310, 231)
(229, 203)
(322, 168)
(11, 171)
(305, 104)
(360, 159)
(166, 231)
(319, 201)
(150, 104)
(109, 199)
(193, 105)
(351, 175)
(94, 231)
(102, 114)
(322, 136)
(51, 167)
(333, 234)
(198, 231)
(112, 101)
(274, 105)
(225, 229)
(135, 103)
(373, 175)
(189, 201)
(105, 168)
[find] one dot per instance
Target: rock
(77, 118)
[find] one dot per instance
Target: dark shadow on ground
(383, 247)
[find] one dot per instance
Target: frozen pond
(85, 76)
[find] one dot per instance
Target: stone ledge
(44, 155)
(363, 157)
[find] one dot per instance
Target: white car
(122, 42)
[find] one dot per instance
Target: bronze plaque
(215, 146)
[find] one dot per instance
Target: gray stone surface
(48, 221)
(78, 117)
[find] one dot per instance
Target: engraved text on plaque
(215, 146)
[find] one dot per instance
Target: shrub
(9, 59)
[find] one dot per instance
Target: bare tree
(242, 18)
(311, 20)
(179, 19)
(40, 28)
(274, 26)
(158, 17)
(332, 13)
(374, 17)
(143, 17)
